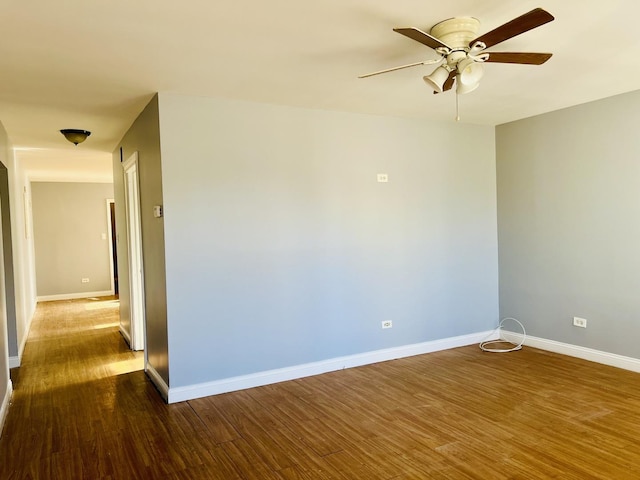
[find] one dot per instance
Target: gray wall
(5, 382)
(569, 223)
(7, 246)
(282, 248)
(144, 137)
(69, 220)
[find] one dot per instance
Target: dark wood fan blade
(523, 23)
(525, 58)
(448, 83)
(422, 37)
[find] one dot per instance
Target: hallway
(82, 406)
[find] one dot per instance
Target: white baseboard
(190, 392)
(23, 343)
(4, 407)
(158, 381)
(73, 296)
(598, 356)
(15, 361)
(125, 334)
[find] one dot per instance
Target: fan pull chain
(457, 108)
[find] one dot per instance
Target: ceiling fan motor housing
(456, 32)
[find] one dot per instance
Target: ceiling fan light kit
(437, 78)
(462, 89)
(470, 72)
(462, 52)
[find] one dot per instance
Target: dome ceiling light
(75, 136)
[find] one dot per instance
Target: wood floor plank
(249, 464)
(83, 408)
(219, 428)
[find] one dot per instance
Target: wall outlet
(387, 324)
(579, 322)
(383, 178)
(85, 280)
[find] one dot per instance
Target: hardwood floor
(83, 409)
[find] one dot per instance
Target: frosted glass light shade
(462, 88)
(470, 72)
(437, 78)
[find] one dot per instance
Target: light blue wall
(569, 223)
(282, 248)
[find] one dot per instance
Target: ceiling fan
(462, 53)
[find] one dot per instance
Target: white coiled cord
(485, 346)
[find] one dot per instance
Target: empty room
(279, 240)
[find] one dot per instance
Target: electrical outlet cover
(579, 322)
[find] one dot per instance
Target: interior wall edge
(158, 381)
(125, 334)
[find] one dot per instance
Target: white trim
(14, 362)
(125, 334)
(136, 261)
(190, 392)
(4, 408)
(598, 356)
(25, 337)
(73, 296)
(158, 381)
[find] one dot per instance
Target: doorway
(113, 238)
(134, 233)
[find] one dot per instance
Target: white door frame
(134, 234)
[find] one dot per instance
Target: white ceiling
(95, 64)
